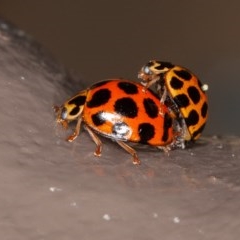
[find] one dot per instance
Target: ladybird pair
(126, 111)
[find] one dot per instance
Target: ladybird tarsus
(75, 134)
(130, 150)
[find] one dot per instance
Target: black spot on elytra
(128, 88)
(198, 131)
(97, 119)
(184, 74)
(181, 100)
(126, 107)
(194, 94)
(146, 132)
(150, 107)
(99, 98)
(166, 125)
(74, 111)
(204, 110)
(176, 83)
(192, 118)
(99, 84)
(120, 130)
(78, 101)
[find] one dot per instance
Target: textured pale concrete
(51, 189)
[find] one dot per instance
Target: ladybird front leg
(97, 141)
(147, 82)
(56, 108)
(147, 85)
(164, 96)
(136, 160)
(76, 132)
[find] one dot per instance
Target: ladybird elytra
(121, 110)
(182, 92)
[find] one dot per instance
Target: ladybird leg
(76, 131)
(185, 132)
(158, 88)
(154, 78)
(164, 96)
(56, 108)
(130, 150)
(97, 141)
(172, 114)
(166, 149)
(147, 83)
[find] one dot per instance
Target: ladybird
(182, 92)
(121, 110)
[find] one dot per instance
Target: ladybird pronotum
(121, 110)
(182, 92)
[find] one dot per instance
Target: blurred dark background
(108, 38)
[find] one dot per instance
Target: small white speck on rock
(200, 231)
(55, 189)
(73, 204)
(106, 217)
(213, 179)
(220, 146)
(176, 220)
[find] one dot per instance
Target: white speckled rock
(51, 189)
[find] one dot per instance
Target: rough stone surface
(51, 189)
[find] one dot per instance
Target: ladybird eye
(147, 70)
(64, 113)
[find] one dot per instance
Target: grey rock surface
(52, 189)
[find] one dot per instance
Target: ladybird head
(71, 109)
(152, 70)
